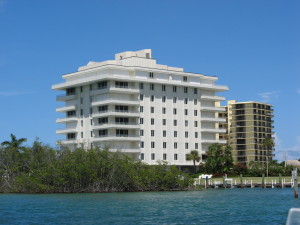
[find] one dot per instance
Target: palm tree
(267, 143)
(193, 155)
(14, 143)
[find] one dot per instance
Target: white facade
(133, 105)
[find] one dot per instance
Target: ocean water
(214, 206)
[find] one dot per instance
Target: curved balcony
(109, 113)
(211, 141)
(212, 109)
(211, 130)
(117, 138)
(66, 108)
(67, 119)
(66, 130)
(216, 120)
(116, 101)
(117, 126)
(212, 98)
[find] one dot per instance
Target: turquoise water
(229, 206)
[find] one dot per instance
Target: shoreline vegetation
(43, 169)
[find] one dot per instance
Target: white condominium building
(134, 105)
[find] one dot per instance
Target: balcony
(67, 119)
(212, 98)
(117, 125)
(123, 150)
(212, 141)
(212, 109)
(108, 113)
(66, 108)
(66, 97)
(212, 130)
(124, 89)
(117, 138)
(66, 130)
(116, 101)
(216, 120)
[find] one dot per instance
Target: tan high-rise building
(248, 125)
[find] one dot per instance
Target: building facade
(248, 125)
(134, 105)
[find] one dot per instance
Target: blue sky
(252, 46)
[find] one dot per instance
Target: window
(91, 133)
(71, 113)
(103, 120)
(152, 109)
(152, 144)
(141, 97)
(184, 79)
(186, 134)
(151, 75)
(186, 145)
(164, 156)
(141, 86)
(81, 112)
(121, 108)
(81, 89)
(163, 99)
(196, 145)
(196, 134)
(122, 120)
(103, 108)
(81, 134)
(175, 145)
(121, 133)
(196, 123)
(101, 133)
(164, 133)
(186, 112)
(185, 90)
(164, 110)
(195, 91)
(141, 108)
(142, 155)
(102, 85)
(152, 87)
(141, 120)
(152, 156)
(163, 87)
(195, 112)
(81, 100)
(152, 133)
(152, 121)
(141, 132)
(186, 122)
(185, 101)
(142, 145)
(121, 84)
(91, 121)
(91, 110)
(175, 122)
(70, 91)
(174, 100)
(91, 98)
(164, 144)
(175, 156)
(195, 101)
(174, 111)
(164, 122)
(175, 133)
(152, 98)
(82, 123)
(174, 89)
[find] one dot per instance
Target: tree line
(42, 169)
